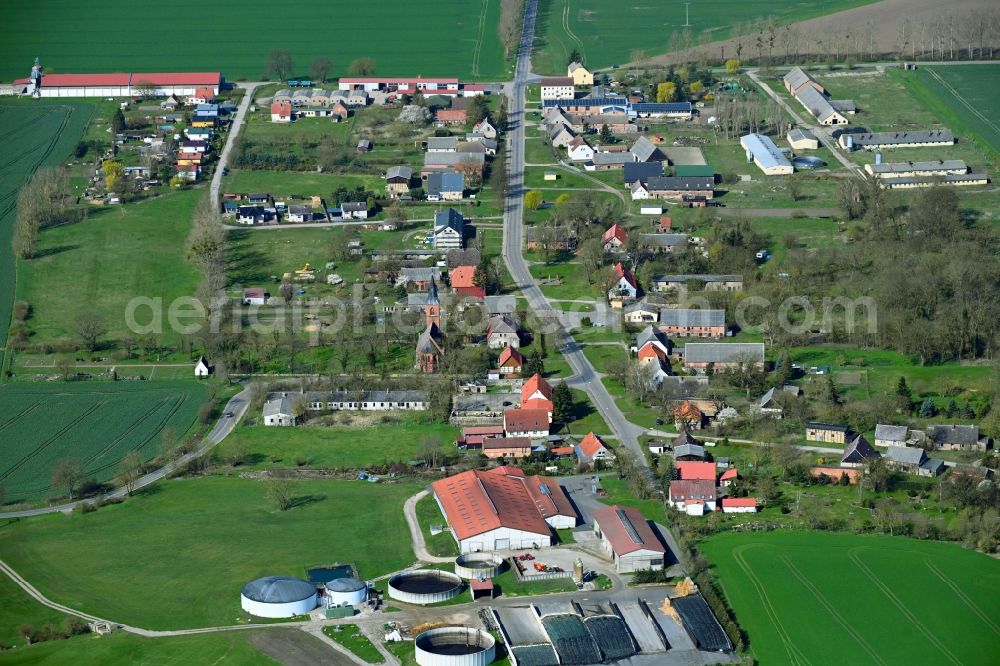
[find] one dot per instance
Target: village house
(368, 401)
(625, 286)
(663, 243)
(279, 410)
(645, 150)
(462, 280)
(453, 117)
(640, 313)
(693, 497)
(472, 437)
(356, 210)
(557, 88)
(581, 75)
(686, 447)
(614, 239)
(652, 351)
(445, 186)
(507, 447)
(299, 213)
(418, 278)
(891, 435)
(956, 438)
(859, 453)
(397, 180)
(688, 417)
(830, 433)
(605, 161)
(510, 363)
(560, 135)
(449, 229)
(536, 393)
(501, 332)
(663, 283)
(255, 296)
(739, 505)
(770, 403)
(532, 423)
(591, 449)
(578, 150)
(626, 536)
(729, 477)
(251, 215)
(683, 322)
(719, 355)
(912, 460)
(484, 129)
(678, 187)
(281, 112)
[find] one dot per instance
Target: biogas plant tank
(278, 596)
(455, 646)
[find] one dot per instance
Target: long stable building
(503, 509)
(120, 84)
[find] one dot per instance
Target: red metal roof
(82, 80)
(622, 272)
(729, 474)
(696, 471)
(616, 231)
(739, 502)
(176, 78)
(549, 496)
(125, 79)
(478, 502)
(482, 430)
(379, 79)
(525, 420)
(615, 523)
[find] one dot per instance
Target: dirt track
(884, 18)
(292, 647)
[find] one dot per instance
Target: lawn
(354, 640)
(619, 493)
(335, 446)
(18, 608)
(226, 647)
(565, 281)
(605, 35)
(287, 183)
(101, 264)
(964, 96)
(876, 599)
(458, 38)
(196, 542)
(428, 513)
(586, 418)
(31, 135)
(510, 587)
(95, 423)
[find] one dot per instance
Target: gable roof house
(641, 171)
(578, 150)
(560, 135)
(626, 536)
(522, 422)
(397, 180)
(445, 186)
(797, 79)
(501, 332)
(686, 322)
(769, 404)
(693, 497)
(536, 393)
(701, 355)
(591, 448)
(912, 460)
(506, 447)
(451, 116)
(692, 470)
(202, 368)
(281, 112)
(625, 287)
(502, 509)
(645, 150)
(663, 243)
(614, 239)
(557, 88)
(605, 161)
(891, 435)
(485, 129)
(688, 417)
(859, 452)
(820, 107)
(956, 438)
(581, 75)
(510, 363)
(640, 313)
(462, 280)
(833, 433)
(278, 410)
(449, 229)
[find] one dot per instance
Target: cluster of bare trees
(949, 36)
(735, 115)
(44, 201)
(509, 26)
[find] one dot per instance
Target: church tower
(432, 310)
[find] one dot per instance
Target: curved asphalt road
(237, 406)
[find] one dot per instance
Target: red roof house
(614, 238)
(510, 363)
(739, 504)
(728, 477)
(536, 393)
(473, 436)
(451, 116)
(591, 448)
(281, 112)
(462, 281)
(526, 422)
(696, 471)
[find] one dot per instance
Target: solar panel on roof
(629, 527)
(544, 489)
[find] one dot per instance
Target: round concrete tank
(278, 596)
(473, 566)
(425, 586)
(347, 592)
(455, 646)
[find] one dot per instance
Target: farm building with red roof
(536, 393)
(627, 537)
(739, 505)
(690, 470)
(502, 509)
(526, 422)
(122, 84)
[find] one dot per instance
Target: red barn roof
(627, 530)
(696, 471)
(739, 502)
(525, 420)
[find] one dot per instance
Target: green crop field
(226, 647)
(105, 261)
(31, 135)
(433, 38)
(97, 424)
(965, 97)
(814, 598)
(196, 542)
(606, 35)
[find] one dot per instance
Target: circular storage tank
(455, 646)
(425, 586)
(808, 162)
(278, 596)
(473, 566)
(347, 591)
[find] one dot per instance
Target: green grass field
(456, 38)
(196, 542)
(962, 96)
(105, 261)
(230, 647)
(96, 424)
(285, 183)
(18, 608)
(811, 598)
(334, 446)
(605, 35)
(428, 513)
(354, 640)
(30, 136)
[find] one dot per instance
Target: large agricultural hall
(161, 84)
(503, 509)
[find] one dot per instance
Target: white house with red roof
(578, 150)
(591, 448)
(625, 286)
(614, 238)
(121, 84)
(281, 112)
(533, 423)
(536, 393)
(626, 536)
(510, 363)
(201, 96)
(728, 477)
(694, 496)
(502, 509)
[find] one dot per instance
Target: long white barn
(120, 84)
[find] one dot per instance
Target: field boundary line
(477, 51)
(794, 654)
(961, 99)
(964, 598)
(891, 596)
(572, 35)
(825, 603)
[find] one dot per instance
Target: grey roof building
(955, 437)
(403, 173)
(692, 317)
(611, 159)
(446, 144)
(680, 184)
(663, 241)
(874, 140)
(645, 150)
(723, 352)
(640, 171)
(858, 452)
(891, 435)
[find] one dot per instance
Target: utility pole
(687, 15)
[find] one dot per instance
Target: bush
(586, 322)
